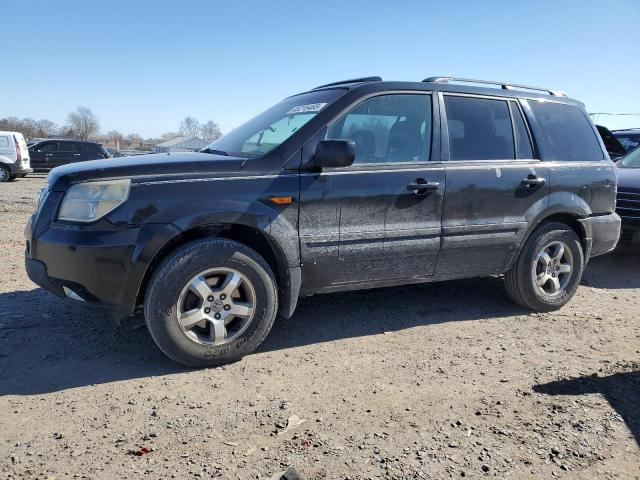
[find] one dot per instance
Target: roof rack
(503, 85)
(353, 80)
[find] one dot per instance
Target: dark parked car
(611, 143)
(351, 185)
(629, 196)
(49, 154)
(629, 138)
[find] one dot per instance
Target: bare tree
(168, 136)
(210, 131)
(190, 127)
(83, 123)
(134, 141)
(46, 128)
(29, 127)
(115, 137)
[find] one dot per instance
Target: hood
(145, 166)
(628, 178)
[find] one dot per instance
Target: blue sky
(142, 66)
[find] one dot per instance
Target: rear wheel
(5, 174)
(211, 302)
(548, 270)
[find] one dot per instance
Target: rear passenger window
(388, 128)
(4, 142)
(568, 132)
(66, 147)
(479, 129)
(523, 142)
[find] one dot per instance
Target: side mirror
(335, 153)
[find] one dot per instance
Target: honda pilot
(351, 185)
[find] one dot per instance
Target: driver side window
(48, 147)
(393, 128)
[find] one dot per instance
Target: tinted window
(48, 147)
(567, 130)
(66, 147)
(388, 128)
(523, 142)
(628, 141)
(479, 129)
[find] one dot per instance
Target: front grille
(627, 235)
(628, 204)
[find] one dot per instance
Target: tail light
(18, 152)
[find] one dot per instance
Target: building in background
(181, 144)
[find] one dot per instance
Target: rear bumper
(602, 233)
(19, 168)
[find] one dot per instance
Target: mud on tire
(202, 345)
(548, 253)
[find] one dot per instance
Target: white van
(14, 156)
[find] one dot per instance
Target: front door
(42, 155)
(377, 221)
(495, 185)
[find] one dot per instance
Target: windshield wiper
(213, 151)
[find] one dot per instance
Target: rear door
(68, 152)
(378, 220)
(24, 150)
(495, 184)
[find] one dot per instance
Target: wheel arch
(288, 278)
(569, 218)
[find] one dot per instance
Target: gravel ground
(444, 380)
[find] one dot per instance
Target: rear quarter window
(568, 133)
(4, 142)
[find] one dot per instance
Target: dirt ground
(444, 380)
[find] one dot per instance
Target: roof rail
(503, 85)
(353, 80)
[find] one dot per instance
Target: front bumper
(100, 265)
(602, 233)
(630, 232)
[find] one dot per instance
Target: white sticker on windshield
(308, 108)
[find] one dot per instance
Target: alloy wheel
(553, 268)
(216, 306)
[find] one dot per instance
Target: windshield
(631, 160)
(265, 132)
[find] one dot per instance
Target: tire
(175, 291)
(5, 174)
(532, 268)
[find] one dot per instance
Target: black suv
(49, 154)
(351, 185)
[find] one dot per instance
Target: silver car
(14, 156)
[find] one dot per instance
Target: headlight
(86, 202)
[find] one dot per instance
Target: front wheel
(549, 269)
(211, 302)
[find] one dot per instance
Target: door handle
(532, 181)
(421, 186)
(76, 154)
